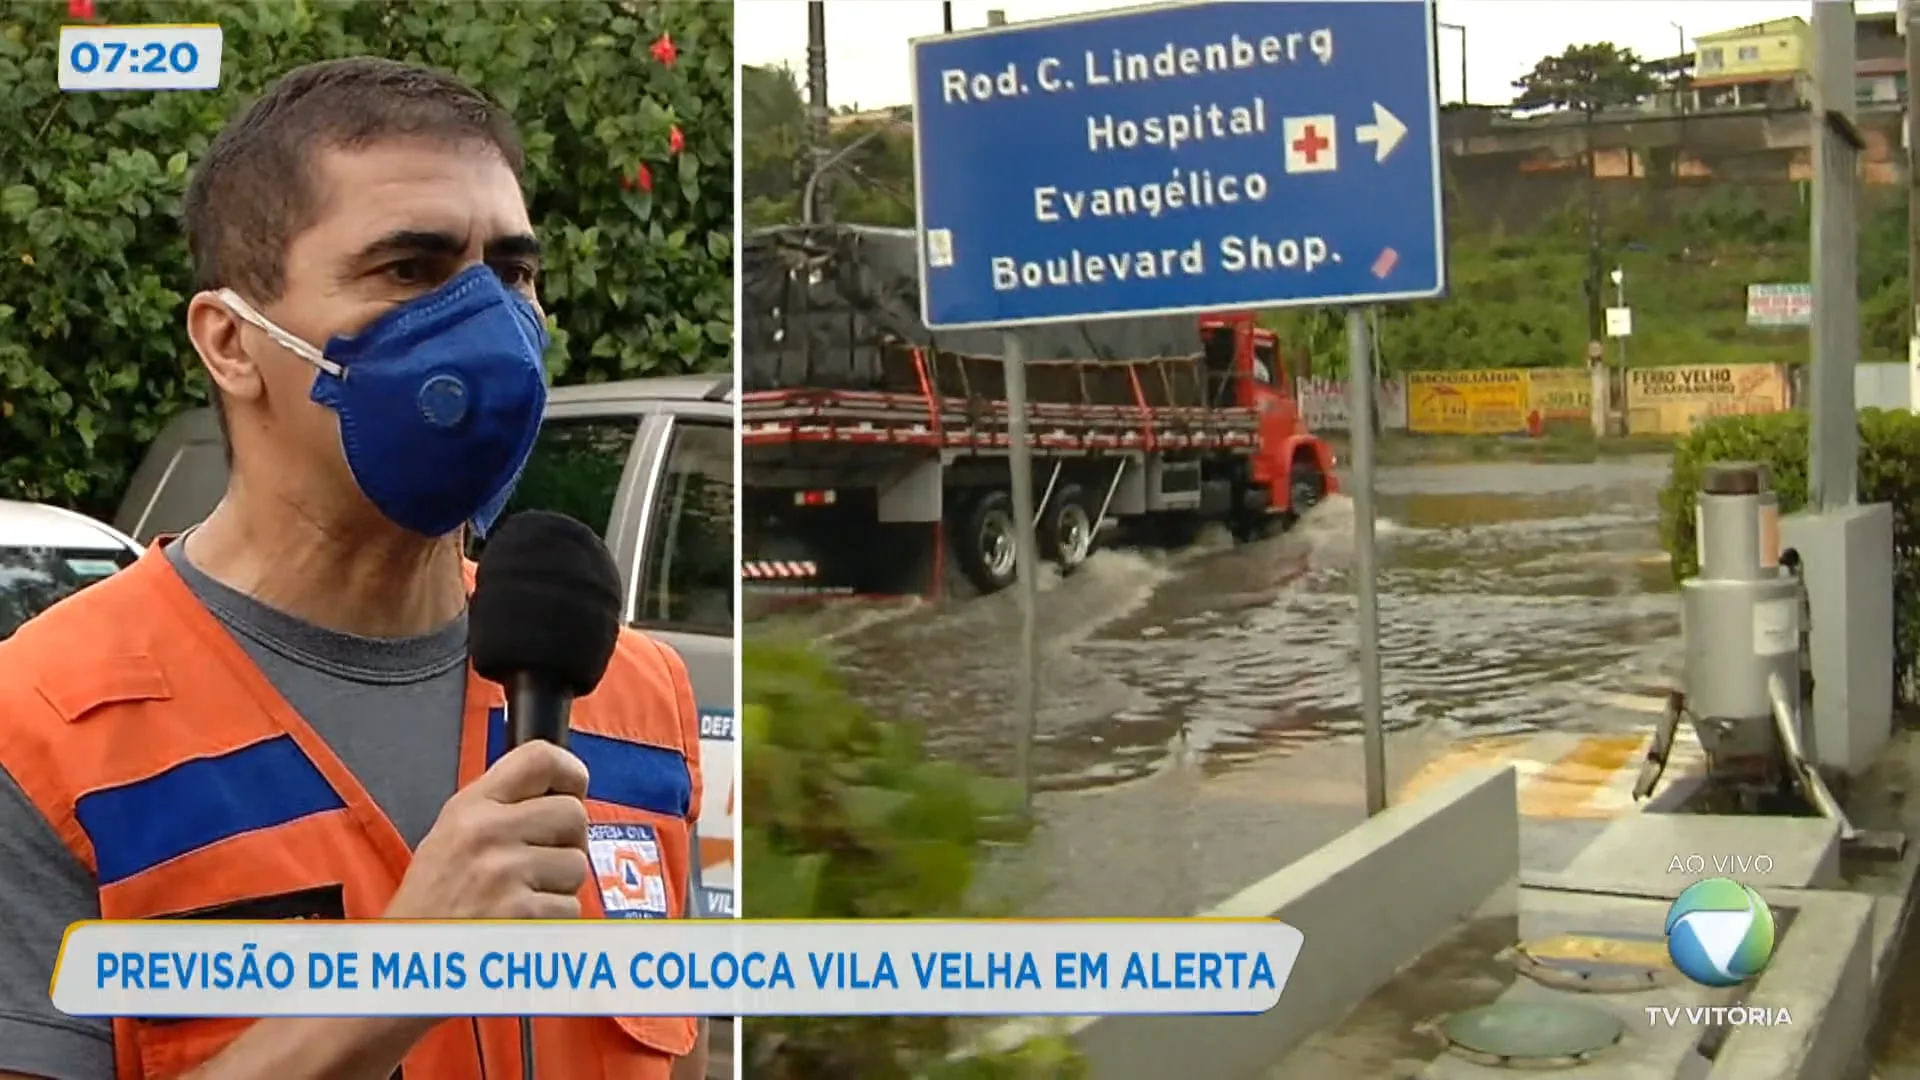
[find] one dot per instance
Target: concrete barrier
(1369, 903)
(1822, 974)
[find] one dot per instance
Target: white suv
(47, 554)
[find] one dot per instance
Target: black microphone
(543, 619)
(542, 622)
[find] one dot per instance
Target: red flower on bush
(80, 9)
(676, 141)
(643, 178)
(664, 50)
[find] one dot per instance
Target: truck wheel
(986, 544)
(1067, 528)
(1306, 486)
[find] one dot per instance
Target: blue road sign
(1185, 157)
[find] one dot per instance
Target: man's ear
(218, 335)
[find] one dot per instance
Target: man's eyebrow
(517, 246)
(411, 244)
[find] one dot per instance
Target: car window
(1266, 365)
(33, 579)
(189, 488)
(687, 578)
(575, 470)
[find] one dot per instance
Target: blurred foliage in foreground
(852, 820)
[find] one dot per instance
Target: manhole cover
(1594, 964)
(1531, 1035)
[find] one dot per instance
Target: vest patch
(626, 863)
(319, 902)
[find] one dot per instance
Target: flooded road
(1199, 710)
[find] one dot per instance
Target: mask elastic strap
(280, 337)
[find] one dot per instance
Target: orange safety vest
(169, 765)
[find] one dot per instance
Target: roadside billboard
(1779, 305)
(1672, 400)
(1468, 402)
(1324, 404)
(1560, 394)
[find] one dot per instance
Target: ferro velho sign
(1183, 157)
(1779, 305)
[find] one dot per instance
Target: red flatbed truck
(875, 455)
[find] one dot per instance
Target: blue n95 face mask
(439, 399)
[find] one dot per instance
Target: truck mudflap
(779, 571)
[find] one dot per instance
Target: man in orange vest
(273, 715)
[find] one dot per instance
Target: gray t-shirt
(391, 708)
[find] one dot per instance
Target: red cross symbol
(1310, 143)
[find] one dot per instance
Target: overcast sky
(867, 39)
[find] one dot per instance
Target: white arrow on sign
(1384, 133)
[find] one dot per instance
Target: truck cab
(650, 463)
(1247, 370)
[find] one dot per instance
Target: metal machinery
(1742, 619)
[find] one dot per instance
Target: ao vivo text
(1733, 866)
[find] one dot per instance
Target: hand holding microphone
(543, 622)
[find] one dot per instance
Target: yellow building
(1762, 65)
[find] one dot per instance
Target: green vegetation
(1889, 469)
(1518, 301)
(851, 820)
(627, 113)
(873, 185)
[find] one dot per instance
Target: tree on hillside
(1588, 79)
(773, 127)
(877, 177)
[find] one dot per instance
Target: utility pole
(819, 131)
(1683, 80)
(1596, 303)
(1462, 31)
(1906, 22)
(1833, 439)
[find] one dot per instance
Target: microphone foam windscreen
(546, 600)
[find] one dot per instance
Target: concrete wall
(1822, 974)
(1515, 174)
(1880, 386)
(1350, 901)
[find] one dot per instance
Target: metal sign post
(1026, 565)
(1180, 159)
(1366, 608)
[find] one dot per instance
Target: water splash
(1230, 652)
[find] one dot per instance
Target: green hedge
(93, 263)
(1889, 473)
(852, 820)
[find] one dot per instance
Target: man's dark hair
(256, 190)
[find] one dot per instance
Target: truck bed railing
(948, 401)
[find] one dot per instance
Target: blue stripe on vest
(136, 827)
(624, 773)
